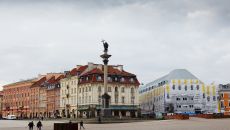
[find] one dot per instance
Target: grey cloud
(149, 37)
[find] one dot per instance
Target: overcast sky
(150, 38)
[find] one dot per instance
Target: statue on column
(106, 45)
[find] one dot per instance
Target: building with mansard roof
(178, 92)
(81, 91)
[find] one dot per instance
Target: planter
(65, 126)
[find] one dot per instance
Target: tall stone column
(105, 97)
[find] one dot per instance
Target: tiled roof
(22, 82)
(111, 71)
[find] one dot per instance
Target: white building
(82, 88)
(178, 92)
(69, 92)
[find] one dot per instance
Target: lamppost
(105, 96)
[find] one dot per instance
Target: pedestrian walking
(31, 125)
(39, 125)
(81, 125)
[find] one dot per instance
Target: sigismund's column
(105, 58)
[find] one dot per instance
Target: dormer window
(122, 79)
(131, 80)
(87, 78)
(98, 78)
(109, 78)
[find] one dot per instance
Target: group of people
(31, 125)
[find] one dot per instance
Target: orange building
(53, 96)
(16, 98)
(225, 98)
(41, 95)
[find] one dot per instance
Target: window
(192, 98)
(89, 99)
(185, 87)
(89, 89)
(122, 79)
(197, 87)
(191, 106)
(221, 104)
(109, 89)
(229, 103)
(132, 90)
(79, 90)
(99, 89)
(214, 98)
(191, 87)
(116, 98)
(132, 99)
(116, 89)
(203, 95)
(123, 99)
(208, 98)
(131, 80)
(99, 99)
(185, 99)
(167, 96)
(173, 87)
(74, 90)
(98, 78)
(178, 99)
(179, 87)
(122, 89)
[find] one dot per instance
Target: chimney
(100, 66)
(90, 65)
(78, 66)
(65, 72)
(40, 76)
(120, 67)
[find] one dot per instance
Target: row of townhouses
(74, 93)
(78, 94)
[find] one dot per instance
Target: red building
(1, 103)
(16, 98)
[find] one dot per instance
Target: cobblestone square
(192, 124)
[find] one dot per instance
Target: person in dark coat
(39, 125)
(81, 125)
(31, 125)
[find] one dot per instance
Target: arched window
(116, 89)
(123, 89)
